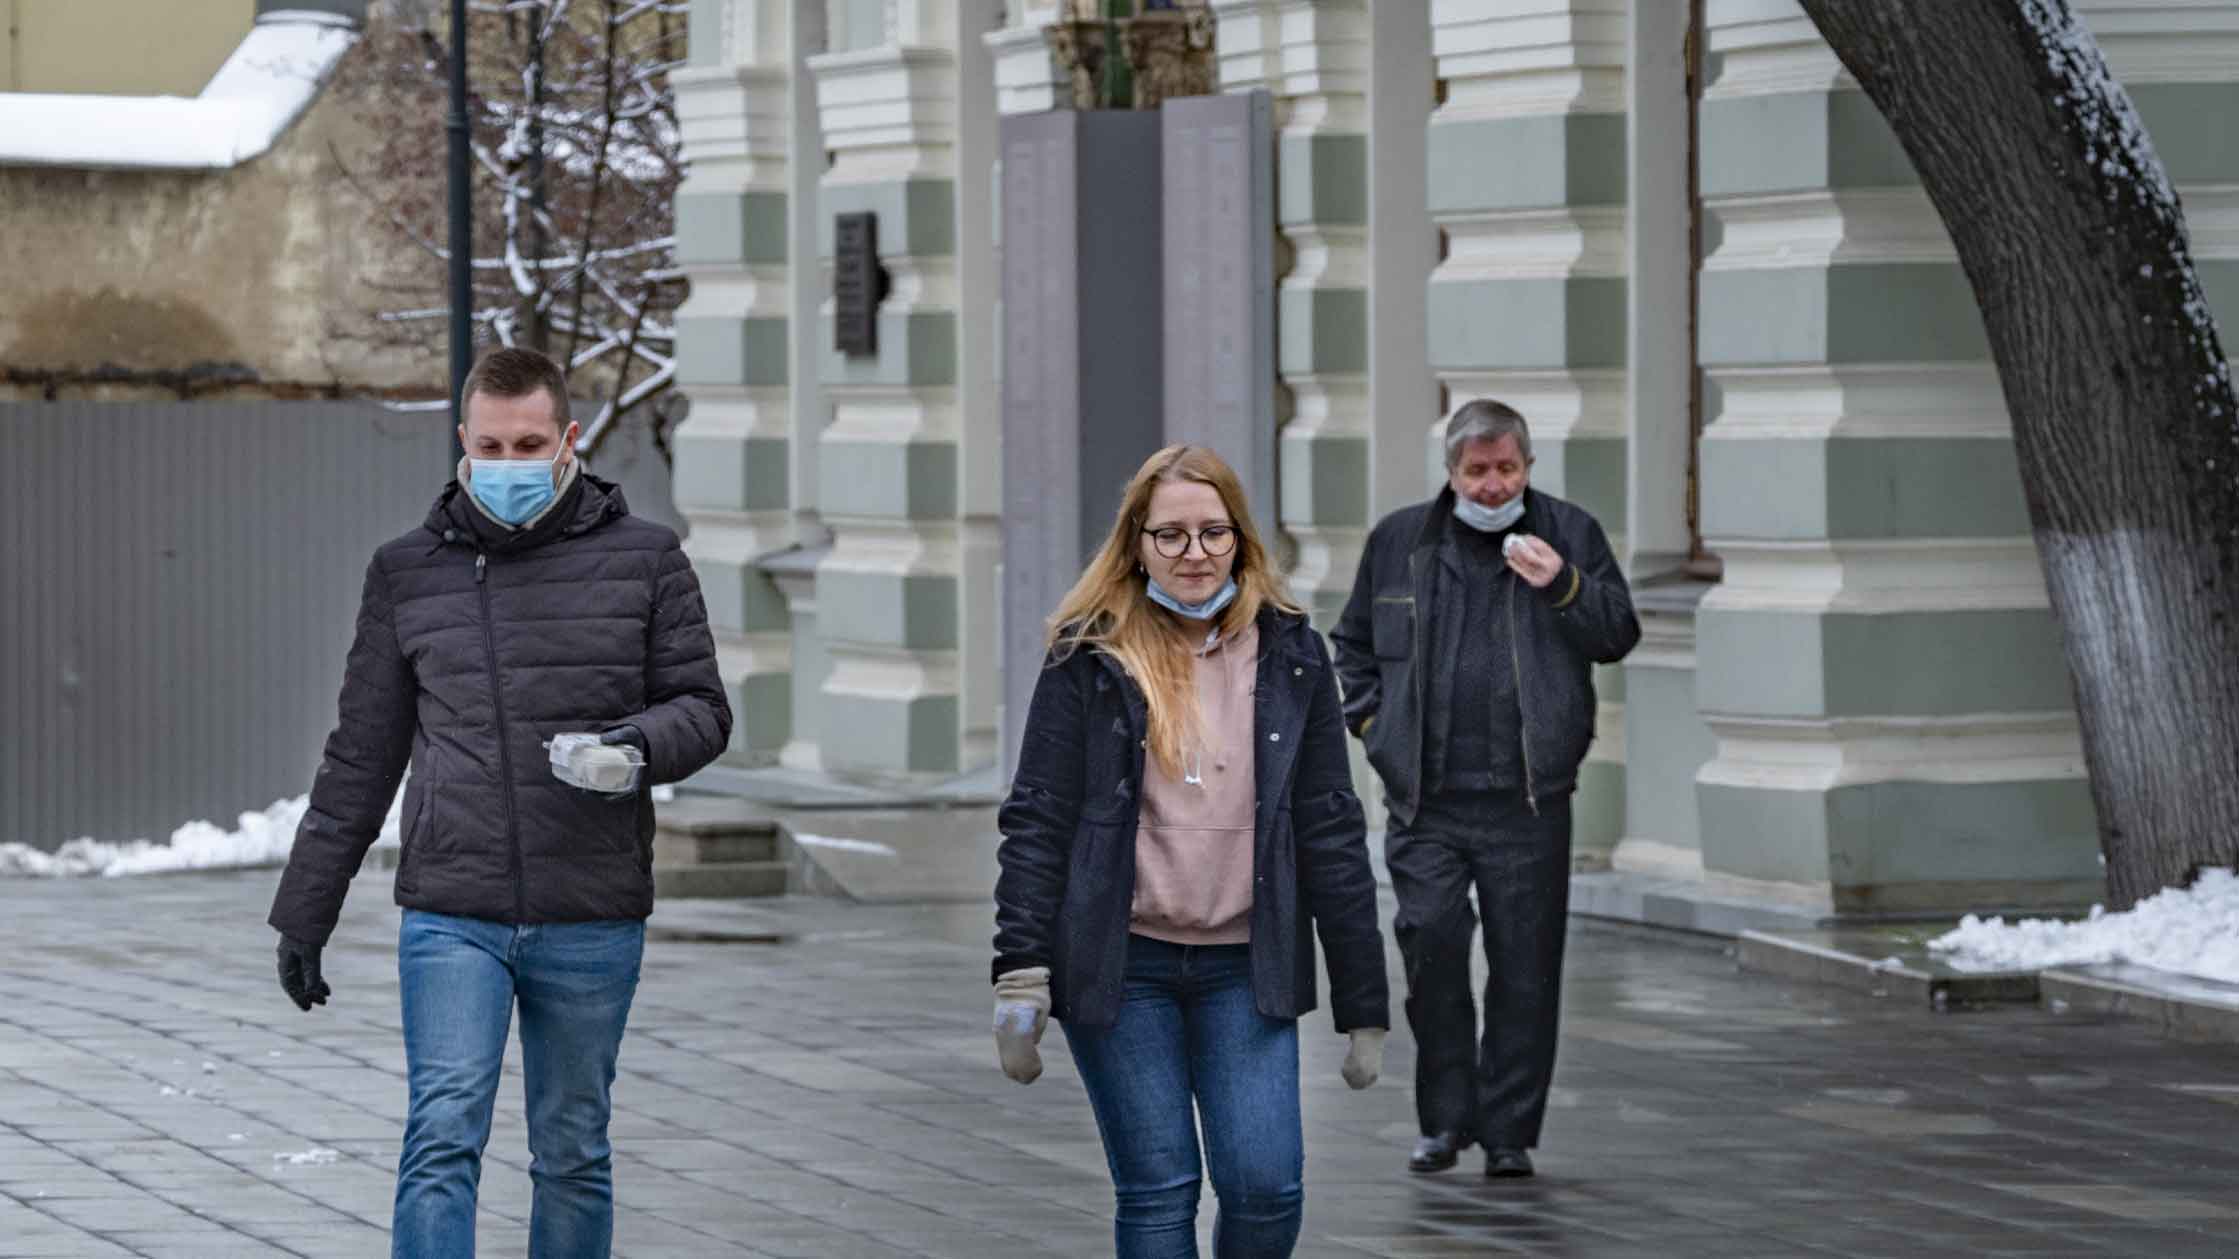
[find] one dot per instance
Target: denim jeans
(1188, 1044)
(461, 978)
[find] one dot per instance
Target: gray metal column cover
(1080, 358)
(1219, 213)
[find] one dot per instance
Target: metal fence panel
(178, 583)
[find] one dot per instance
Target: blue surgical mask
(1488, 519)
(514, 490)
(1205, 611)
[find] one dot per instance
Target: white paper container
(610, 769)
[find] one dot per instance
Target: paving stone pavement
(809, 1078)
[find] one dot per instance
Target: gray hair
(1485, 420)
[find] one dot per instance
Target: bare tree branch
(577, 157)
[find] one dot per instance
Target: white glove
(1365, 1061)
(1022, 1010)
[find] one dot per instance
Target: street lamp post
(462, 229)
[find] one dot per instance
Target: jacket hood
(588, 503)
(1289, 635)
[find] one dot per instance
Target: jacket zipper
(1419, 594)
(1523, 712)
(505, 752)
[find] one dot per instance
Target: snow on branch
(2118, 149)
(577, 157)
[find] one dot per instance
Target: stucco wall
(126, 47)
(245, 282)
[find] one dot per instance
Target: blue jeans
(1188, 1044)
(460, 978)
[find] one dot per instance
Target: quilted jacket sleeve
(687, 720)
(358, 776)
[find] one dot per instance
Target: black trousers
(1493, 1088)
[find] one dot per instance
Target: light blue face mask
(514, 490)
(1205, 611)
(1488, 519)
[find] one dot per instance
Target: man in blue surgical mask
(529, 603)
(1466, 653)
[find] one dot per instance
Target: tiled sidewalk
(834, 1094)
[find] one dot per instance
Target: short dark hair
(1485, 420)
(510, 371)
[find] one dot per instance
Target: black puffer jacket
(1068, 854)
(1557, 635)
(474, 645)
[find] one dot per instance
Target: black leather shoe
(1507, 1164)
(1437, 1153)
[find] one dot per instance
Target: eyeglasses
(1173, 543)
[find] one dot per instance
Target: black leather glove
(299, 973)
(629, 736)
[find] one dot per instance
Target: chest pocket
(1392, 629)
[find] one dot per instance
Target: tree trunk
(2122, 403)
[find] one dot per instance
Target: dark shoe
(1507, 1164)
(1437, 1153)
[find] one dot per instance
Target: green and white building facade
(1727, 307)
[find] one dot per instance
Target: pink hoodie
(1193, 843)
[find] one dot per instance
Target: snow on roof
(261, 89)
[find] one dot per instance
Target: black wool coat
(474, 645)
(1067, 883)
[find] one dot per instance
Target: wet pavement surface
(811, 1078)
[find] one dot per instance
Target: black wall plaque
(858, 283)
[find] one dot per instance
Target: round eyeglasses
(1173, 543)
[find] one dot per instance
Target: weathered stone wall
(255, 281)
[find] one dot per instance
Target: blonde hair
(1108, 611)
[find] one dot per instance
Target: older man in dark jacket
(530, 603)
(1466, 653)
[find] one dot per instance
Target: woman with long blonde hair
(1182, 817)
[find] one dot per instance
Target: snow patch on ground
(321, 1157)
(2185, 931)
(844, 845)
(260, 839)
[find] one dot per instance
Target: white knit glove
(1365, 1061)
(1022, 1010)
